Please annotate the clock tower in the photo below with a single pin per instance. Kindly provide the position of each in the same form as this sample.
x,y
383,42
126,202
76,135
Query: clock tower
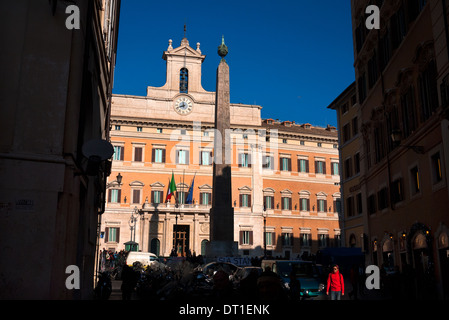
x,y
183,89
183,68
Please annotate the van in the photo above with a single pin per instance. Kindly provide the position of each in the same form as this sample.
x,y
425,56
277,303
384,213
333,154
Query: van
x,y
309,274
145,258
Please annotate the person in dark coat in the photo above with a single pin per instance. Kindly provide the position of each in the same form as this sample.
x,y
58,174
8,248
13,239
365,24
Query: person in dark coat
x,y
129,282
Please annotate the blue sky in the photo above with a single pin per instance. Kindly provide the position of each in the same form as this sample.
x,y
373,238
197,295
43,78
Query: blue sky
x,y
291,57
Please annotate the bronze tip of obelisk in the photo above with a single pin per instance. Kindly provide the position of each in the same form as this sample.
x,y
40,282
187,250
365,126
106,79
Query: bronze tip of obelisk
x,y
222,49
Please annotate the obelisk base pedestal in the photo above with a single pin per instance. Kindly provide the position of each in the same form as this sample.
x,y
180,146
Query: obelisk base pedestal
x,y
215,249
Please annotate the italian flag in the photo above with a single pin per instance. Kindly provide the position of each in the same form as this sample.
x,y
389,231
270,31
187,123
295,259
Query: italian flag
x,y
171,187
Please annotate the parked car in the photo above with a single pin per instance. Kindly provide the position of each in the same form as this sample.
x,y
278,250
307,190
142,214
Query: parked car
x,y
209,269
310,276
244,272
145,258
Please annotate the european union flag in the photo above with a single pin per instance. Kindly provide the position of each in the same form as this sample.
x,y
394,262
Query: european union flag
x,y
189,199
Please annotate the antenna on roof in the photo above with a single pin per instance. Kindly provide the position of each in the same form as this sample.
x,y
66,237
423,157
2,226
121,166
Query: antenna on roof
x,y
186,42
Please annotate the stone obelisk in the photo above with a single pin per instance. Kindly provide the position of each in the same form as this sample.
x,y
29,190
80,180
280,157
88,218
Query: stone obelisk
x,y
222,213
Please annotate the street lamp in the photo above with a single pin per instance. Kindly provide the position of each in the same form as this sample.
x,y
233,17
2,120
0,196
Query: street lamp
x,y
175,231
132,225
396,137
119,178
264,231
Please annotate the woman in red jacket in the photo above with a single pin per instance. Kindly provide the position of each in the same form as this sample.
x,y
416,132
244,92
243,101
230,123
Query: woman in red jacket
x,y
335,284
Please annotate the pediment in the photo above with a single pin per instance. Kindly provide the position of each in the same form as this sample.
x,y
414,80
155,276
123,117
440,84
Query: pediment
x,y
136,184
336,195
205,187
185,50
182,185
157,185
245,188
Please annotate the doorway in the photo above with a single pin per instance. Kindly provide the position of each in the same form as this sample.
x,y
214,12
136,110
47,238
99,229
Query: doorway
x,y
444,265
181,237
443,253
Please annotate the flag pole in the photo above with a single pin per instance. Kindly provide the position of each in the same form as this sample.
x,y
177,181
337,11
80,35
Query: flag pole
x,y
189,199
192,188
168,191
176,196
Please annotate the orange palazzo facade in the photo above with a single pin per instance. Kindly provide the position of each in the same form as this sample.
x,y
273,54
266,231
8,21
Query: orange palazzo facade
x,y
285,175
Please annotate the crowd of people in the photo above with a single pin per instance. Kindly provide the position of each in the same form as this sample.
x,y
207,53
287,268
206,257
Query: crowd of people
x,y
395,284
110,260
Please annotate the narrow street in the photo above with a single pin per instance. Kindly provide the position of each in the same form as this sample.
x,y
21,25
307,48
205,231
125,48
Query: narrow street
x,y
116,292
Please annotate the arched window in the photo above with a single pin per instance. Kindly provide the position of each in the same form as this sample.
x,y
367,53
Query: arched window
x,y
155,246
184,80
352,241
203,247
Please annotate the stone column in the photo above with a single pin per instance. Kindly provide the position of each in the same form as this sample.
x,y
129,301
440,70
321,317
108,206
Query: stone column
x,y
222,213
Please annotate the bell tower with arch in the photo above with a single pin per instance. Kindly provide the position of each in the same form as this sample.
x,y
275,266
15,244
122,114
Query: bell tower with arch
x,y
183,71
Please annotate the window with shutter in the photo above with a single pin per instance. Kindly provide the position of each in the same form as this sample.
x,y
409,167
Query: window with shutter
x,y
118,153
158,155
321,205
205,158
304,204
350,206
268,202
303,165
157,197
398,190
320,167
334,168
285,164
136,196
305,239
112,234
245,200
246,237
205,198
270,238
414,178
437,173
287,239
114,195
286,203
268,162
138,154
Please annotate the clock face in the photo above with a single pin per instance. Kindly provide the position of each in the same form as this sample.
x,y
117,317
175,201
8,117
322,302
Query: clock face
x,y
183,105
